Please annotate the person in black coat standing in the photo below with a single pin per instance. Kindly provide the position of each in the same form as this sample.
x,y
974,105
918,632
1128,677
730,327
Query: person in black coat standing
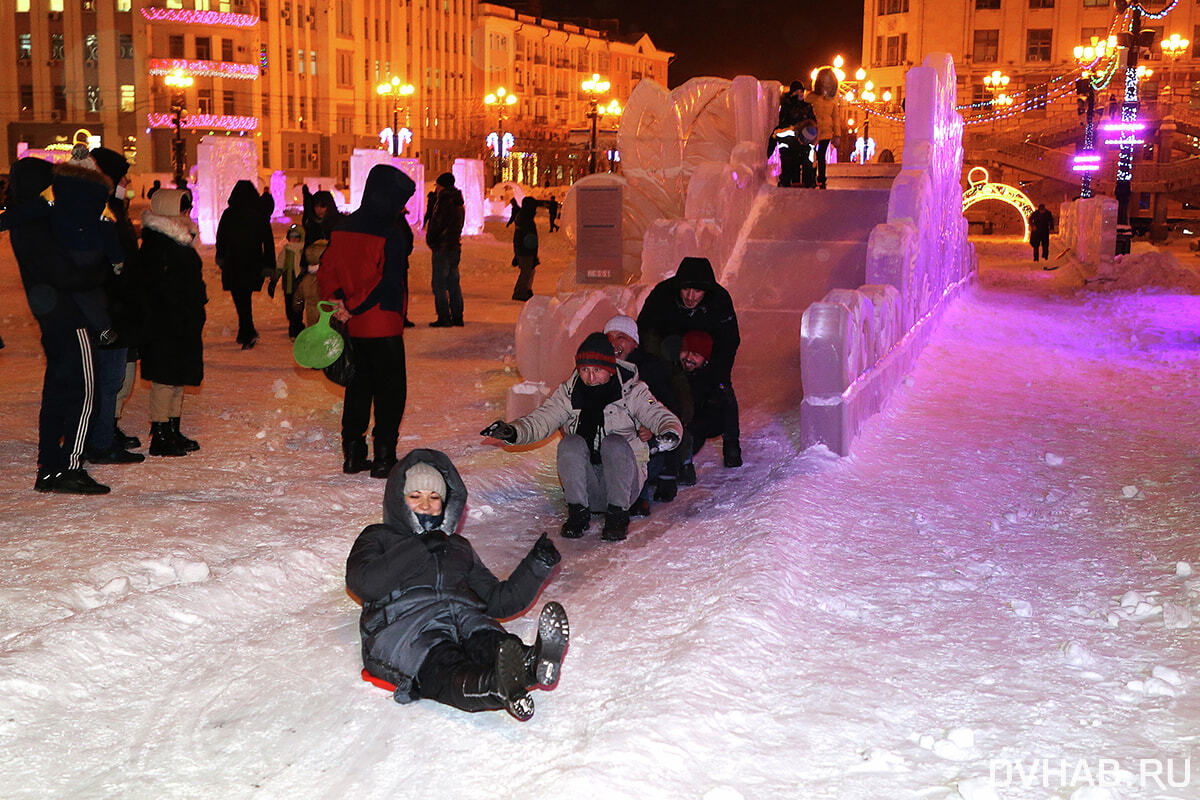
x,y
173,346
245,254
68,389
1041,222
429,605
525,248
693,300
443,234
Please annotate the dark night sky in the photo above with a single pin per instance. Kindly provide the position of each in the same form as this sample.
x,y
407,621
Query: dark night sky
x,y
764,38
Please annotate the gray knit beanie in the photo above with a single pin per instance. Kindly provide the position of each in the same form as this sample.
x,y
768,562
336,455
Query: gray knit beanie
x,y
424,477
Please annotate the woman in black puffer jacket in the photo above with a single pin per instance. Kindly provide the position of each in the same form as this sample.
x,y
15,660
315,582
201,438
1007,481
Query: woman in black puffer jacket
x,y
430,606
245,254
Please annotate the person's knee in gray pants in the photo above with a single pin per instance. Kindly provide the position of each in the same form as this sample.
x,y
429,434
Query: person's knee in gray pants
x,y
574,469
618,467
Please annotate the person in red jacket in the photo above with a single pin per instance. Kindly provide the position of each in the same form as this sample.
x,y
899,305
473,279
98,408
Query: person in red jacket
x,y
364,270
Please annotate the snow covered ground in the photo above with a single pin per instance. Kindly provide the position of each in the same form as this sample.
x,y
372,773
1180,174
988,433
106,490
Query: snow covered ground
x,y
998,581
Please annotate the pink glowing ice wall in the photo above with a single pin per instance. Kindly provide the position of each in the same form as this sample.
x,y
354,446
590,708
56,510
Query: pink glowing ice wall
x,y
856,344
361,161
221,161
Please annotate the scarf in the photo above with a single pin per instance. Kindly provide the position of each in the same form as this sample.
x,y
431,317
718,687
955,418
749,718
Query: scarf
x,y
591,400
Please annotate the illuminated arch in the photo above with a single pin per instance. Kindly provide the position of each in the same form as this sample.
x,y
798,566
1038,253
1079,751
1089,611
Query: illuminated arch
x,y
981,189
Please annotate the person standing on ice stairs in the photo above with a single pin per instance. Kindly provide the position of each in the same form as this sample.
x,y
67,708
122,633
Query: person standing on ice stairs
x,y
428,622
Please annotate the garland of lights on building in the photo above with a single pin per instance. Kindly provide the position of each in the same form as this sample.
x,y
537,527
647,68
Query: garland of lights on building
x,y
189,17
212,122
204,69
1100,74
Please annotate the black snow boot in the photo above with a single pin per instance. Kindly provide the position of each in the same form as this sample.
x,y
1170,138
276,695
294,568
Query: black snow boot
x,y
190,445
578,519
732,450
123,441
385,459
666,488
163,441
114,455
616,524
543,661
687,474
356,456
499,685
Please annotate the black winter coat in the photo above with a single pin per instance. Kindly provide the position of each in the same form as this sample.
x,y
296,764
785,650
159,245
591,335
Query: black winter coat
x,y
419,589
443,231
172,349
664,319
245,245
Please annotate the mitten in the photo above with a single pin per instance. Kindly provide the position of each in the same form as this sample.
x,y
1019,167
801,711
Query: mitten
x,y
664,442
500,430
544,552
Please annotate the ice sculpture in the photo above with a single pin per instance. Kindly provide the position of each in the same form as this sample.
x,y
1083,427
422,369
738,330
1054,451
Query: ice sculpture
x,y
856,344
468,178
279,195
221,161
361,161
1088,228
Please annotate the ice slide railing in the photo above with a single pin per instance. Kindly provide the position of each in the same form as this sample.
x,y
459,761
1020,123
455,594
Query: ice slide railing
x,y
857,344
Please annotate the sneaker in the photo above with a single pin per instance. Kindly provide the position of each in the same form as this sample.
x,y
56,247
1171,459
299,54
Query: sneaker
x,y
44,481
578,519
77,481
115,455
687,475
441,323
640,508
616,524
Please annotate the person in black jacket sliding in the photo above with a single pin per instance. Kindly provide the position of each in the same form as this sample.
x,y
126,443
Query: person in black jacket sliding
x,y
428,622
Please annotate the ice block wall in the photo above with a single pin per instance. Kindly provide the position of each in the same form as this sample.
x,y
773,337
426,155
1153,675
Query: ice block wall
x,y
468,178
857,344
1088,228
361,161
221,161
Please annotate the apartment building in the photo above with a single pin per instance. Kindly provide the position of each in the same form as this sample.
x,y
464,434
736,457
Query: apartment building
x,y
301,78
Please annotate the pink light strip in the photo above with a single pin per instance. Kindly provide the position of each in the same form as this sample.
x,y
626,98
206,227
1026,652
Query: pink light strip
x,y
1124,141
1123,126
213,122
204,69
1086,168
188,17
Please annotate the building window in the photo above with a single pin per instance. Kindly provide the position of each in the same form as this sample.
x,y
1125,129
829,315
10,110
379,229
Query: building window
x,y
227,102
203,5
125,46
1092,35
203,48
892,6
981,5
22,8
300,58
266,153
303,111
56,46
204,101
1093,3
26,97
312,62
1041,3
124,5
175,46
92,98
59,95
986,49
127,97
291,158
24,46
1037,44
227,49
174,3
55,5
289,63
291,108
91,47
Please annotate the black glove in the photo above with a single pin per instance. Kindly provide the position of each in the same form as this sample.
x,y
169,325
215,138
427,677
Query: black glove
x,y
664,442
271,286
500,430
544,552
434,541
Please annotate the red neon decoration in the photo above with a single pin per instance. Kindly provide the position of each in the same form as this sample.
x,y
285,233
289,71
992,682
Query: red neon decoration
x,y
204,69
188,17
212,122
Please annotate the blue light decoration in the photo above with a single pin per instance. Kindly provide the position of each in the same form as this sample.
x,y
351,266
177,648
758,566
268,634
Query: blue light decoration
x,y
500,147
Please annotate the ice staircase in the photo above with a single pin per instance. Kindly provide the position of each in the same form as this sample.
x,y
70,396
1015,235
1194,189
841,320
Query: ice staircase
x,y
797,245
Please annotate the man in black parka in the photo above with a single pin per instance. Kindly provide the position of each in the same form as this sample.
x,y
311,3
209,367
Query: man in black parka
x,y
693,300
430,606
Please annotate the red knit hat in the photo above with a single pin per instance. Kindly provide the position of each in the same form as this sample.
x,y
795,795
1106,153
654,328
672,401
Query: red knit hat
x,y
697,342
596,351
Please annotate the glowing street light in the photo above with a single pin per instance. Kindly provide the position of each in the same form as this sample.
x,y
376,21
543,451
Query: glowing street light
x,y
593,87
501,99
179,81
396,90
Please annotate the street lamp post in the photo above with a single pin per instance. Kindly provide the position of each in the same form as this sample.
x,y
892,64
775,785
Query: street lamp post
x,y
178,82
593,87
1173,47
396,90
1132,40
996,83
501,99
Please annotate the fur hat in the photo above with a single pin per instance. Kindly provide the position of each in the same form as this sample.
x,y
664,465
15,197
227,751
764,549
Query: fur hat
x,y
445,180
698,342
111,163
424,477
596,351
625,325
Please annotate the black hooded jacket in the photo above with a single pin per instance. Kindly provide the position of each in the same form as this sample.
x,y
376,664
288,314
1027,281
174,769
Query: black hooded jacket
x,y
664,319
245,245
419,588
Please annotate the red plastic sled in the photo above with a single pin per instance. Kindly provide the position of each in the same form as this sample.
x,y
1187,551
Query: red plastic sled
x,y
380,682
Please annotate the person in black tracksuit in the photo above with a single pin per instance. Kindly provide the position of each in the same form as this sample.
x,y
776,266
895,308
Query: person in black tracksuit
x,y
428,621
68,389
693,300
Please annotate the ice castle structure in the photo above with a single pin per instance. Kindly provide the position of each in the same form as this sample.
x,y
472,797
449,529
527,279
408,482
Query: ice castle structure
x,y
836,288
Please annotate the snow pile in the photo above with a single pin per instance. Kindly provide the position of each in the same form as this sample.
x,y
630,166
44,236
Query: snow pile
x,y
1146,266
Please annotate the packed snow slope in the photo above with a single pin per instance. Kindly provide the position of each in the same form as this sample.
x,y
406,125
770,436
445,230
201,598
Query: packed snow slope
x,y
1001,573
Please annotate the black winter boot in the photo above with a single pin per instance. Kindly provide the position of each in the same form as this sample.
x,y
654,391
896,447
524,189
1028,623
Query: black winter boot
x,y
123,441
385,459
616,524
666,488
510,679
543,661
163,441
732,450
189,445
579,517
356,456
